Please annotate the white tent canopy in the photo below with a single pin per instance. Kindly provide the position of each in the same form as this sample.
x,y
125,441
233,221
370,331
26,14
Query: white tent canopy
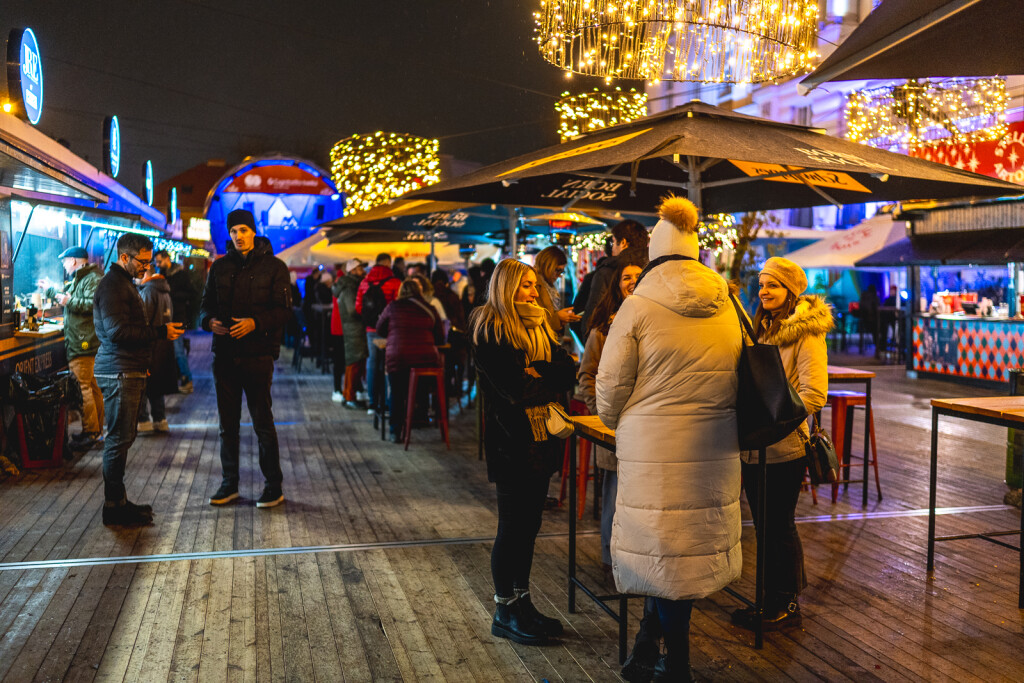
x,y
843,248
316,250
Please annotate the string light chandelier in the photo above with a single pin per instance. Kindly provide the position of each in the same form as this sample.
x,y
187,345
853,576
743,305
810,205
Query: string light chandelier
x,y
373,169
921,114
709,41
587,112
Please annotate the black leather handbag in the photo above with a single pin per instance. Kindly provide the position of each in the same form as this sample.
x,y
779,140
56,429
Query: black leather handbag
x,y
768,408
822,461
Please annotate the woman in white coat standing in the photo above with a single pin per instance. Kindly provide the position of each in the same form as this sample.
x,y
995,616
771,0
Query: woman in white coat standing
x,y
667,385
797,325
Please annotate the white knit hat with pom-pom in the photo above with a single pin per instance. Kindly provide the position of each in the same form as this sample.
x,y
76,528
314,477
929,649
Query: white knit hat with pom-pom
x,y
676,232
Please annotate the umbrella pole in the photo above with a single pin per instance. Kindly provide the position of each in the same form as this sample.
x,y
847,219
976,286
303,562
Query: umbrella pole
x,y
693,184
432,265
513,248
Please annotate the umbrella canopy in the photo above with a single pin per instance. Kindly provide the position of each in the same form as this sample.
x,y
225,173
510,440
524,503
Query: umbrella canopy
x,y
929,39
723,161
975,248
844,248
299,253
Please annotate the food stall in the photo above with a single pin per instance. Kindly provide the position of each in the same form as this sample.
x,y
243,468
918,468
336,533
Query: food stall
x,y
963,264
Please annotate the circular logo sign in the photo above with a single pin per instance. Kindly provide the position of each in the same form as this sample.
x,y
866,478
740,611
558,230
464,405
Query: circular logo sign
x,y
147,181
25,73
112,143
172,205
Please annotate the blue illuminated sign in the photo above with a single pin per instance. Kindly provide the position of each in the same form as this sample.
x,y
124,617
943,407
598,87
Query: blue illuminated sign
x,y
172,205
147,182
25,73
112,143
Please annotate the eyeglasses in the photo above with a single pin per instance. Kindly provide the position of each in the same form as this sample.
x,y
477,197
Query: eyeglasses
x,y
144,263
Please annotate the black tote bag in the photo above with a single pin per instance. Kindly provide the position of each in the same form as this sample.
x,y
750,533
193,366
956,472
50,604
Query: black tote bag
x,y
768,408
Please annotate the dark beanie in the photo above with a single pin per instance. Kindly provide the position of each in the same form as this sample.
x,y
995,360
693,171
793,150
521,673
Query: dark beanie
x,y
241,217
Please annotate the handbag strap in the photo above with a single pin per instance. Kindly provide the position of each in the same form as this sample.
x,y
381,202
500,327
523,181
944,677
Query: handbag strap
x,y
658,261
744,322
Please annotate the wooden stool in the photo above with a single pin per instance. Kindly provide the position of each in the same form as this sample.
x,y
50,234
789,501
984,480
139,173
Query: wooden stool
x,y
577,407
843,403
442,403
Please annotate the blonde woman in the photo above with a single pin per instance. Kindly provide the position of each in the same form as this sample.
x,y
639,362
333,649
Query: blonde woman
x,y
550,264
522,369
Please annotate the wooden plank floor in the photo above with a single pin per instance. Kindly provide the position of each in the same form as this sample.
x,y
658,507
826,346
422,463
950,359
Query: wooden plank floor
x,y
377,567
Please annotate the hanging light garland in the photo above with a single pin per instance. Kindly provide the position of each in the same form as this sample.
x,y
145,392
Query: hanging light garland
x,y
920,114
708,41
373,169
587,112
594,241
717,234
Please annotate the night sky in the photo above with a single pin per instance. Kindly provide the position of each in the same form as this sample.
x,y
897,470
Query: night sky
x,y
198,79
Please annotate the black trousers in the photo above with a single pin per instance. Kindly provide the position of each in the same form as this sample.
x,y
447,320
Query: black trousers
x,y
784,556
337,349
253,377
520,509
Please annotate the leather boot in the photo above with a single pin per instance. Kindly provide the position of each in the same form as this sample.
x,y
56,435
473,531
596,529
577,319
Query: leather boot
x,y
674,665
509,622
639,665
547,625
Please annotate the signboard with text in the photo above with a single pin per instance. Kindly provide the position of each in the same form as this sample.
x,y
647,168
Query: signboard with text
x,y
25,74
1003,158
279,179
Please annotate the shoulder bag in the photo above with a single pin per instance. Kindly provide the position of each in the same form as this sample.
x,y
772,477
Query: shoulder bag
x,y
767,406
822,462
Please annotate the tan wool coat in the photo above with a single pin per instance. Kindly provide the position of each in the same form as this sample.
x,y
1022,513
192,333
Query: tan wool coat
x,y
587,379
667,384
801,342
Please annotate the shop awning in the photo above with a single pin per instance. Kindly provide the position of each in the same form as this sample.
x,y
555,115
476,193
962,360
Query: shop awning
x,y
21,171
844,248
975,248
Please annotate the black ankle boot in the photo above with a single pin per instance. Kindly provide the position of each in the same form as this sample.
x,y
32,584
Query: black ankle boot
x,y
780,612
547,625
667,670
510,622
639,665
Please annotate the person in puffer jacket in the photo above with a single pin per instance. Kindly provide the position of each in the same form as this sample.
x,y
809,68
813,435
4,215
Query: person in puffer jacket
x,y
797,325
667,384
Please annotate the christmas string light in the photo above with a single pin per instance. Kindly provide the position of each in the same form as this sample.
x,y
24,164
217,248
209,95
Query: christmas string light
x,y
716,233
373,169
709,41
587,112
920,114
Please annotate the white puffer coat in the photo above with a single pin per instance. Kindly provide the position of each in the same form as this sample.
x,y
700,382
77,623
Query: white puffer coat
x,y
667,385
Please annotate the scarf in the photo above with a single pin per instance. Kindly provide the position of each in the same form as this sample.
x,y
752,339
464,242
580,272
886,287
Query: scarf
x,y
537,340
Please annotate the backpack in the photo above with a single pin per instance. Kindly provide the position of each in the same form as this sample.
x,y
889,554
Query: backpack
x,y
374,303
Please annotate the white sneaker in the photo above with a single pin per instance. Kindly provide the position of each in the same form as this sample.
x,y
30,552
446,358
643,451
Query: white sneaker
x,y
145,427
337,397
161,426
370,411
362,396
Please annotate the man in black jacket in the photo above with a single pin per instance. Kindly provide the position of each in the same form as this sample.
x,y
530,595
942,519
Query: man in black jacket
x,y
182,297
626,235
122,363
246,304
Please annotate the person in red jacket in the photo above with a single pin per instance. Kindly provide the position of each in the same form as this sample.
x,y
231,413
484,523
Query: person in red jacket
x,y
413,330
382,280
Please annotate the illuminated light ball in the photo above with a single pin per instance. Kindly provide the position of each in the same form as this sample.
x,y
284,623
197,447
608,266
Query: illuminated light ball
x,y
586,112
372,169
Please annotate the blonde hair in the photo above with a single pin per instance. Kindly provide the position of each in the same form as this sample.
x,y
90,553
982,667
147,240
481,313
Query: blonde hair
x,y
497,319
425,287
547,261
409,288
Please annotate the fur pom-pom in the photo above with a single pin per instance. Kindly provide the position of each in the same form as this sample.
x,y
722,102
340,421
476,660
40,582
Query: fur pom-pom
x,y
679,212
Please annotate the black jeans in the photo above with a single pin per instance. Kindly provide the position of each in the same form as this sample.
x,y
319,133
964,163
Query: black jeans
x,y
337,349
121,399
675,625
783,554
253,376
520,508
398,400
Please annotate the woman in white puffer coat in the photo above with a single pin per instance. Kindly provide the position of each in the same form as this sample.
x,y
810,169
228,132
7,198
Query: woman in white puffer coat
x,y
667,384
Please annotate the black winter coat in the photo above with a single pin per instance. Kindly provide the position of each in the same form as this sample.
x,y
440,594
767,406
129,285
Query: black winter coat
x,y
126,338
182,294
256,286
512,454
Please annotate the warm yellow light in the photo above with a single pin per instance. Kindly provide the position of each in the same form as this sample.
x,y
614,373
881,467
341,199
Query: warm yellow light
x,y
8,107
373,169
586,112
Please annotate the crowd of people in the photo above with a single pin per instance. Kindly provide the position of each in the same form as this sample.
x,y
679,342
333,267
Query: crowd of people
x,y
661,342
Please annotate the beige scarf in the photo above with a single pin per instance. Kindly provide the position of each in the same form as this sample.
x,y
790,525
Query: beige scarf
x,y
537,339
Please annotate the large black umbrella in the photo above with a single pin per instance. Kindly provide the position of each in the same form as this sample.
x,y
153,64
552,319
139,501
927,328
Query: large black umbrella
x,y
723,161
929,39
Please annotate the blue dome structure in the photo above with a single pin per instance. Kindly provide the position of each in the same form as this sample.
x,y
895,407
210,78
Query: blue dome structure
x,y
289,197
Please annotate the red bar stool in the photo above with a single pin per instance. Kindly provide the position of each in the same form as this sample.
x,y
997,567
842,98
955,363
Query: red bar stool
x,y
577,407
843,403
442,403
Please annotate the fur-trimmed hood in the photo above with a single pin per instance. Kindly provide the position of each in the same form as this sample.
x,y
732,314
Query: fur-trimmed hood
x,y
812,317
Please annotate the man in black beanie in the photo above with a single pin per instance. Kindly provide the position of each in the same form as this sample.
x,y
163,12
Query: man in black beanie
x,y
246,304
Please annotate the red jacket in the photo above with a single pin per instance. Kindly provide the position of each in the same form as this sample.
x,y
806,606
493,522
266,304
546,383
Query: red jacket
x,y
390,287
413,329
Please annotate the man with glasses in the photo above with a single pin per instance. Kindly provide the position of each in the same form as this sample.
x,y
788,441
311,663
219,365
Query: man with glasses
x,y
247,302
122,364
